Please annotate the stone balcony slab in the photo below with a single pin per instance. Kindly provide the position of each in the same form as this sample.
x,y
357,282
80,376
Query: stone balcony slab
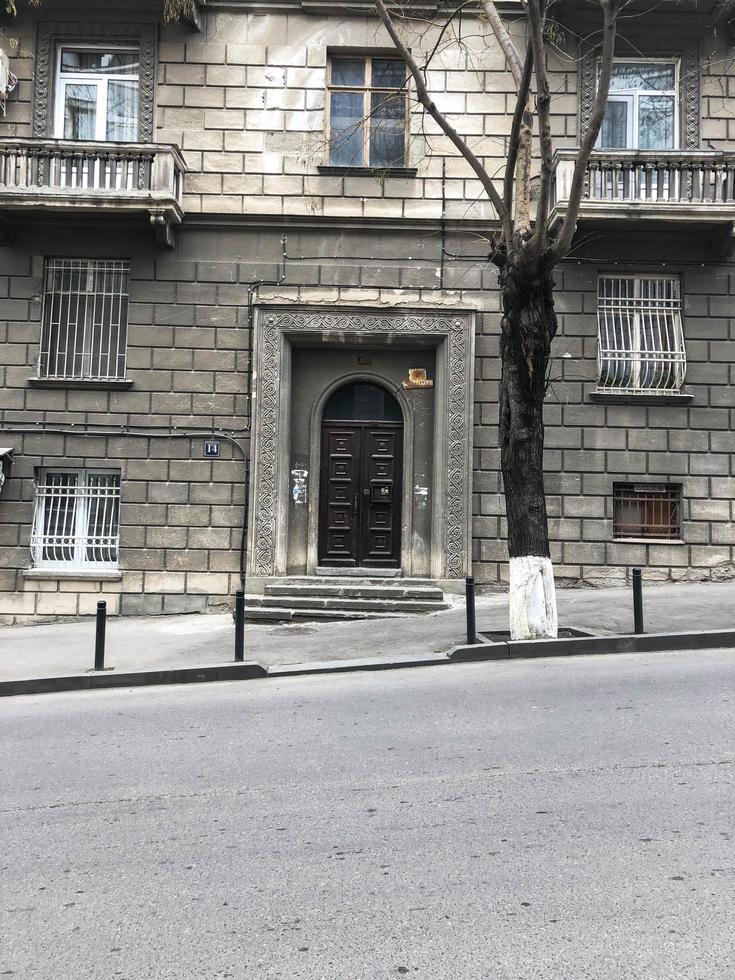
x,y
93,178
652,186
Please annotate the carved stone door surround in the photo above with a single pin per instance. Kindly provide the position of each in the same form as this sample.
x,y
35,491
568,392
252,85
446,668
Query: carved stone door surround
x,y
452,335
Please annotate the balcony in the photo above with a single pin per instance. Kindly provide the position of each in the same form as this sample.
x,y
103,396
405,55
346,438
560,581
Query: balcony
x,y
67,175
651,185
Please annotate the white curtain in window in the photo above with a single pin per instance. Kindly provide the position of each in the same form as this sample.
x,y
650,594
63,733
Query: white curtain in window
x,y
122,111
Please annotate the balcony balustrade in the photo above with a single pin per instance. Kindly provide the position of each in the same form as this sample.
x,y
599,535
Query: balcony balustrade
x,y
94,177
658,185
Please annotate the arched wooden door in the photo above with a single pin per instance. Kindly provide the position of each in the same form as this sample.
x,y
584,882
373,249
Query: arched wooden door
x,y
360,479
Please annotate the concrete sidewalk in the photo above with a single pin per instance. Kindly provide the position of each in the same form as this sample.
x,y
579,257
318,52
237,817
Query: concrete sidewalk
x,y
192,641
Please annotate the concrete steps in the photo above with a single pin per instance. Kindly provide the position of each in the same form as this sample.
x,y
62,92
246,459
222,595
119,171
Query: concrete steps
x,y
337,598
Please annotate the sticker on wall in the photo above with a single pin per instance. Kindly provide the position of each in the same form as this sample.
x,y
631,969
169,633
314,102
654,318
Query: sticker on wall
x,y
421,495
298,486
417,379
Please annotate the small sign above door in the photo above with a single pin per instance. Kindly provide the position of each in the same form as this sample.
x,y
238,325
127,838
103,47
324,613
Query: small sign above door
x,y
417,379
211,448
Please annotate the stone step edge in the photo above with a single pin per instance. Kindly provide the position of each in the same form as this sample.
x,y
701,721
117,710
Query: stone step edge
x,y
337,603
276,614
355,592
353,581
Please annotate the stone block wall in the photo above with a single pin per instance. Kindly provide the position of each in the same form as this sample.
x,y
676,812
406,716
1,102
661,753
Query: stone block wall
x,y
245,100
181,517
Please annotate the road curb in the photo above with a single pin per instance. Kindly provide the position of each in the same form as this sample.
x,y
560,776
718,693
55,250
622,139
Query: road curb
x,y
591,645
251,670
133,678
365,663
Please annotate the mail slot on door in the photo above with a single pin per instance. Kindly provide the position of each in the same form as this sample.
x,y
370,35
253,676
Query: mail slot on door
x,y
382,493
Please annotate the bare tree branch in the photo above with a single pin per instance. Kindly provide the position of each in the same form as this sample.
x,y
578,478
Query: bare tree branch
x,y
521,108
426,100
563,240
445,28
504,40
543,108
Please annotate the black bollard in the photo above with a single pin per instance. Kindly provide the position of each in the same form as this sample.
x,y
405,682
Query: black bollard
x,y
99,640
637,601
239,625
470,609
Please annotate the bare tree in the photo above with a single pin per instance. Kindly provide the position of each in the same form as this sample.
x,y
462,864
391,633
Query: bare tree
x,y
525,251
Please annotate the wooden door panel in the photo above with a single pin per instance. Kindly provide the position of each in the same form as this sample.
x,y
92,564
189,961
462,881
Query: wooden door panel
x,y
360,505
381,497
338,528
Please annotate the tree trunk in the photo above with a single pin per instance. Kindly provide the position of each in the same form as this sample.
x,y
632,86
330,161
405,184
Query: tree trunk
x,y
527,329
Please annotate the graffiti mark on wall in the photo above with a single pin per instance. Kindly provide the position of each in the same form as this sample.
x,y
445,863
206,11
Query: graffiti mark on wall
x,y
298,486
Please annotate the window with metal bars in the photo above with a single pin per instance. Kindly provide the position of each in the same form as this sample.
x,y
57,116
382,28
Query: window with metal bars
x,y
643,510
641,338
76,523
85,320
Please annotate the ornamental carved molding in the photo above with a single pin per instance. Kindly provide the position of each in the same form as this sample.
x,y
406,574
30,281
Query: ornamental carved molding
x,y
50,33
275,325
689,87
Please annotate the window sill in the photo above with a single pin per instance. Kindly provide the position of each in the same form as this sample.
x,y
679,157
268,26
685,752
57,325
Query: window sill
x,y
329,170
101,575
112,385
635,398
675,541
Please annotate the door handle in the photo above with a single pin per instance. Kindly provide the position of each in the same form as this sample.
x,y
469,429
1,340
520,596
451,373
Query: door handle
x,y
355,503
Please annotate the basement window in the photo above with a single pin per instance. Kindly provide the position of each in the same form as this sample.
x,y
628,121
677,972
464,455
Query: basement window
x,y
642,510
640,333
76,522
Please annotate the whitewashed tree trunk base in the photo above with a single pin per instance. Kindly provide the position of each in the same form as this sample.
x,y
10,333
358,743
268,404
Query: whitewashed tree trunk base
x,y
532,599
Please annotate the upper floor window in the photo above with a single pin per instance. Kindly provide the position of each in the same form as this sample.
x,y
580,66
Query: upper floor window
x,y
76,521
367,111
84,320
97,94
641,111
641,339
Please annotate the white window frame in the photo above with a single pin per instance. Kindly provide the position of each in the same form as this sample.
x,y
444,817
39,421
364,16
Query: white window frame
x,y
88,500
668,359
91,78
632,98
367,91
113,335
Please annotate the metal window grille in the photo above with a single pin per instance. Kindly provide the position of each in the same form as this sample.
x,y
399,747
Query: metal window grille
x,y
76,523
646,511
641,339
85,320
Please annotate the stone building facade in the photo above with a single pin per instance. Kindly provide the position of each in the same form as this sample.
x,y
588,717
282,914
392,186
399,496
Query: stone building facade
x,y
249,289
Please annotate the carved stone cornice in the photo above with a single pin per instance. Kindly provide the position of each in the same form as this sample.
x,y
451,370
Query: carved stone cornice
x,y
52,32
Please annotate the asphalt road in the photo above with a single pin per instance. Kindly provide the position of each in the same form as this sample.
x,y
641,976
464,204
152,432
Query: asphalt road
x,y
560,819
